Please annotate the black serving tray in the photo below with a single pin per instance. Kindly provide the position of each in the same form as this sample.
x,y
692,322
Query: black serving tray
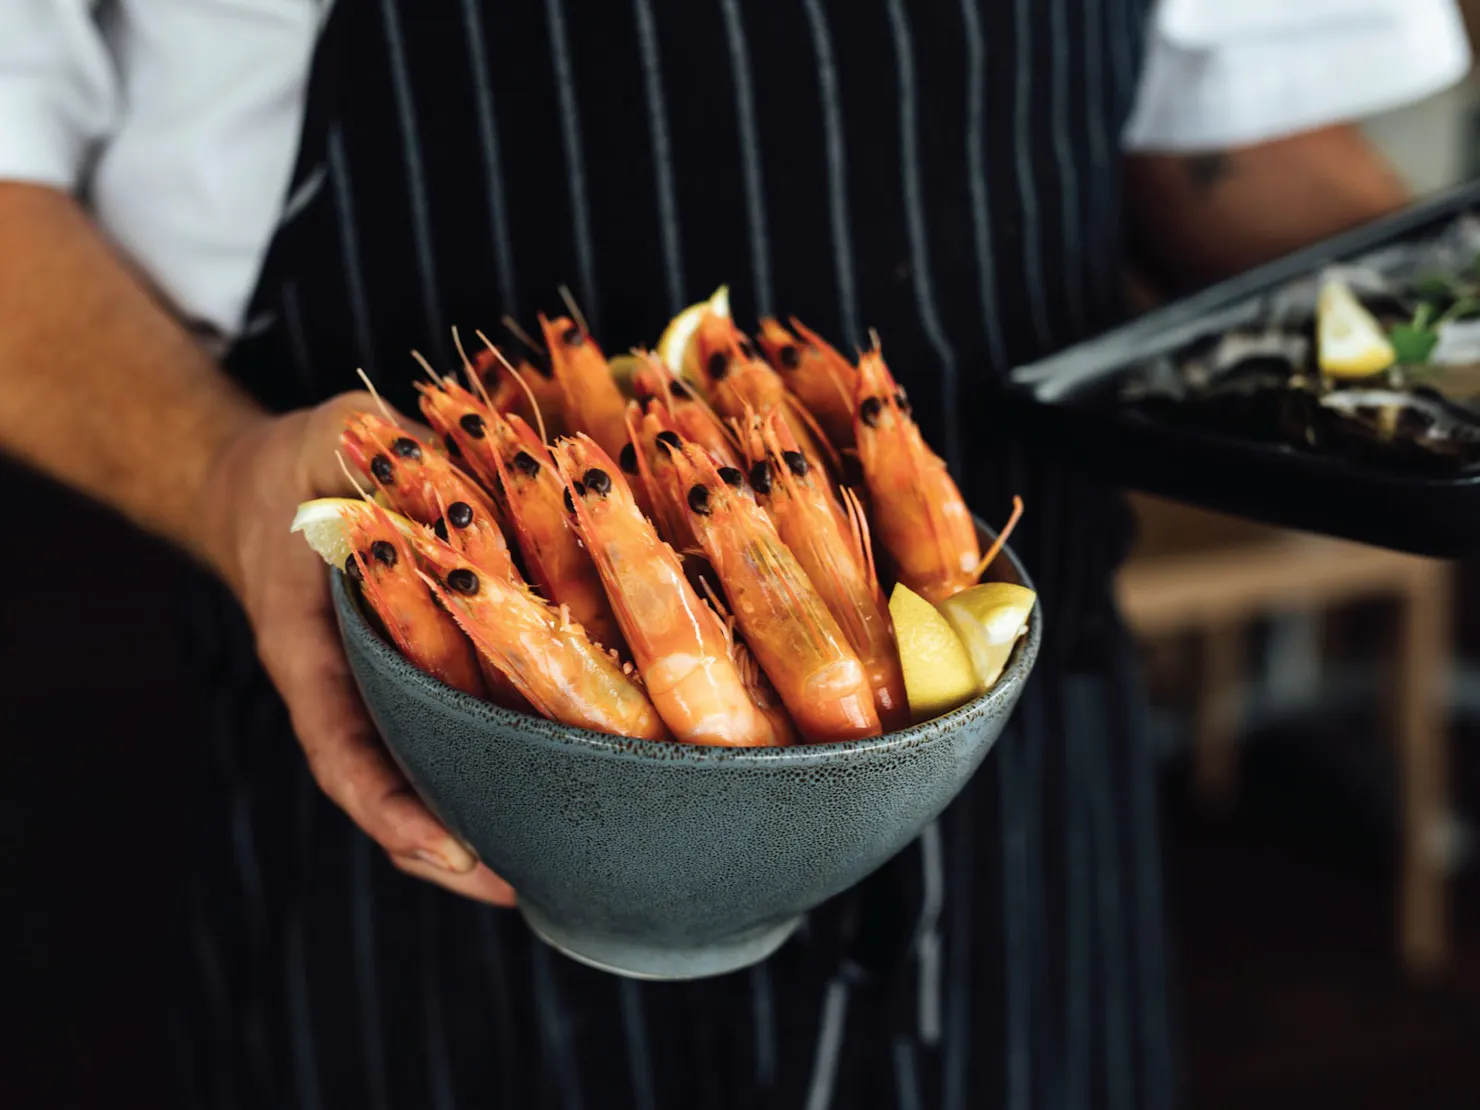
x,y
1059,400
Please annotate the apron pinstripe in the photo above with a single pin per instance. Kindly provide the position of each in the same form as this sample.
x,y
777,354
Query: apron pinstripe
x,y
942,170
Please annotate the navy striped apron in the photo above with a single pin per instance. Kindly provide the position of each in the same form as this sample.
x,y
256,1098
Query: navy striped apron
x,y
945,171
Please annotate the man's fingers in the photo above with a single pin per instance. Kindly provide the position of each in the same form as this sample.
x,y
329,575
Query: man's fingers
x,y
480,883
346,757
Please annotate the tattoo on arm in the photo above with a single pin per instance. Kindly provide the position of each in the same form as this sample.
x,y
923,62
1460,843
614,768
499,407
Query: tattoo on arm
x,y
1207,170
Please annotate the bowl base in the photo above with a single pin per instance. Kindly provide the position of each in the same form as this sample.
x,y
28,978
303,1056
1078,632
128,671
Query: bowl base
x,y
636,960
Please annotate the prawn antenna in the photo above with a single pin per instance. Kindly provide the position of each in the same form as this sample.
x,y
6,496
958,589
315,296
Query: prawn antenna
x,y
462,354
575,309
385,409
473,377
427,366
539,417
520,334
344,466
1001,540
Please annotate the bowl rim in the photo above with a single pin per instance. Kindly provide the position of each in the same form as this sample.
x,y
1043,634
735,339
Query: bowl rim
x,y
1000,697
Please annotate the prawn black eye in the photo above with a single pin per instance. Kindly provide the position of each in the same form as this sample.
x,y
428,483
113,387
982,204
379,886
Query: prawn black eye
x,y
789,357
718,365
868,412
598,482
439,526
628,460
573,336
760,476
526,464
385,551
352,568
463,581
460,514
699,500
472,423
796,462
670,439
451,444
731,476
381,467
570,505
407,448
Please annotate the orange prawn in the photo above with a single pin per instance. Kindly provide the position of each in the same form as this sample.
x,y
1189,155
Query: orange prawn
x,y
546,657
592,402
384,566
786,624
685,652
506,454
838,562
816,374
419,481
534,395
919,513
736,377
690,416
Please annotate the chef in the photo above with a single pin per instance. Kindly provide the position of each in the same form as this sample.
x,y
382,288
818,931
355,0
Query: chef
x,y
213,212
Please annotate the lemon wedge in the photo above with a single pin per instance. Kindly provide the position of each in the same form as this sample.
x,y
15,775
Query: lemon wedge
x,y
323,523
990,619
676,345
938,675
1350,342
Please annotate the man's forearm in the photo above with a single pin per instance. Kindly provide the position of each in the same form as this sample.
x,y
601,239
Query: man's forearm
x,y
100,387
1195,219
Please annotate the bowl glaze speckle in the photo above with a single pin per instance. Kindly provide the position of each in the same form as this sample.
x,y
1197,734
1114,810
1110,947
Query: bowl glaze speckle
x,y
667,860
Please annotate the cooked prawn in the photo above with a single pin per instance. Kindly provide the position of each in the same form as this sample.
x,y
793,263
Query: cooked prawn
x,y
534,395
919,514
786,624
735,378
506,454
838,562
816,374
419,482
546,656
678,642
690,417
384,566
592,402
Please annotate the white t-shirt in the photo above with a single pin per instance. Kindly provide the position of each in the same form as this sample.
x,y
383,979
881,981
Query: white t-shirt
x,y
178,120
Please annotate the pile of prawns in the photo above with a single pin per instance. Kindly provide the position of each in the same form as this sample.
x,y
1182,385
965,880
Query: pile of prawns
x,y
686,563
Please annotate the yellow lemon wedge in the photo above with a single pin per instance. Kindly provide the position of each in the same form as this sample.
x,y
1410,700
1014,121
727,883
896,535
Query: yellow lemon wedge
x,y
1350,343
990,619
323,524
938,675
676,345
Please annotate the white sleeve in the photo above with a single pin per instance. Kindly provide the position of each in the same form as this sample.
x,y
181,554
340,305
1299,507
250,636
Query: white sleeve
x,y
58,90
1229,73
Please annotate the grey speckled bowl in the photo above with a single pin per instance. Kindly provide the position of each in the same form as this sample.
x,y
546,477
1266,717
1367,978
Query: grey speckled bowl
x,y
666,860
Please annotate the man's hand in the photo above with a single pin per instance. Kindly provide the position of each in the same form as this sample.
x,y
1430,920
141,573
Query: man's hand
x,y
102,389
248,501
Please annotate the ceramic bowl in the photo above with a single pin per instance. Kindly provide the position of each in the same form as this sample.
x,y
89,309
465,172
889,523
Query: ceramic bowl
x,y
668,860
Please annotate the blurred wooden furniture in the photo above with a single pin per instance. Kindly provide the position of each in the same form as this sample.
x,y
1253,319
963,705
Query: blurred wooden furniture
x,y
1211,576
